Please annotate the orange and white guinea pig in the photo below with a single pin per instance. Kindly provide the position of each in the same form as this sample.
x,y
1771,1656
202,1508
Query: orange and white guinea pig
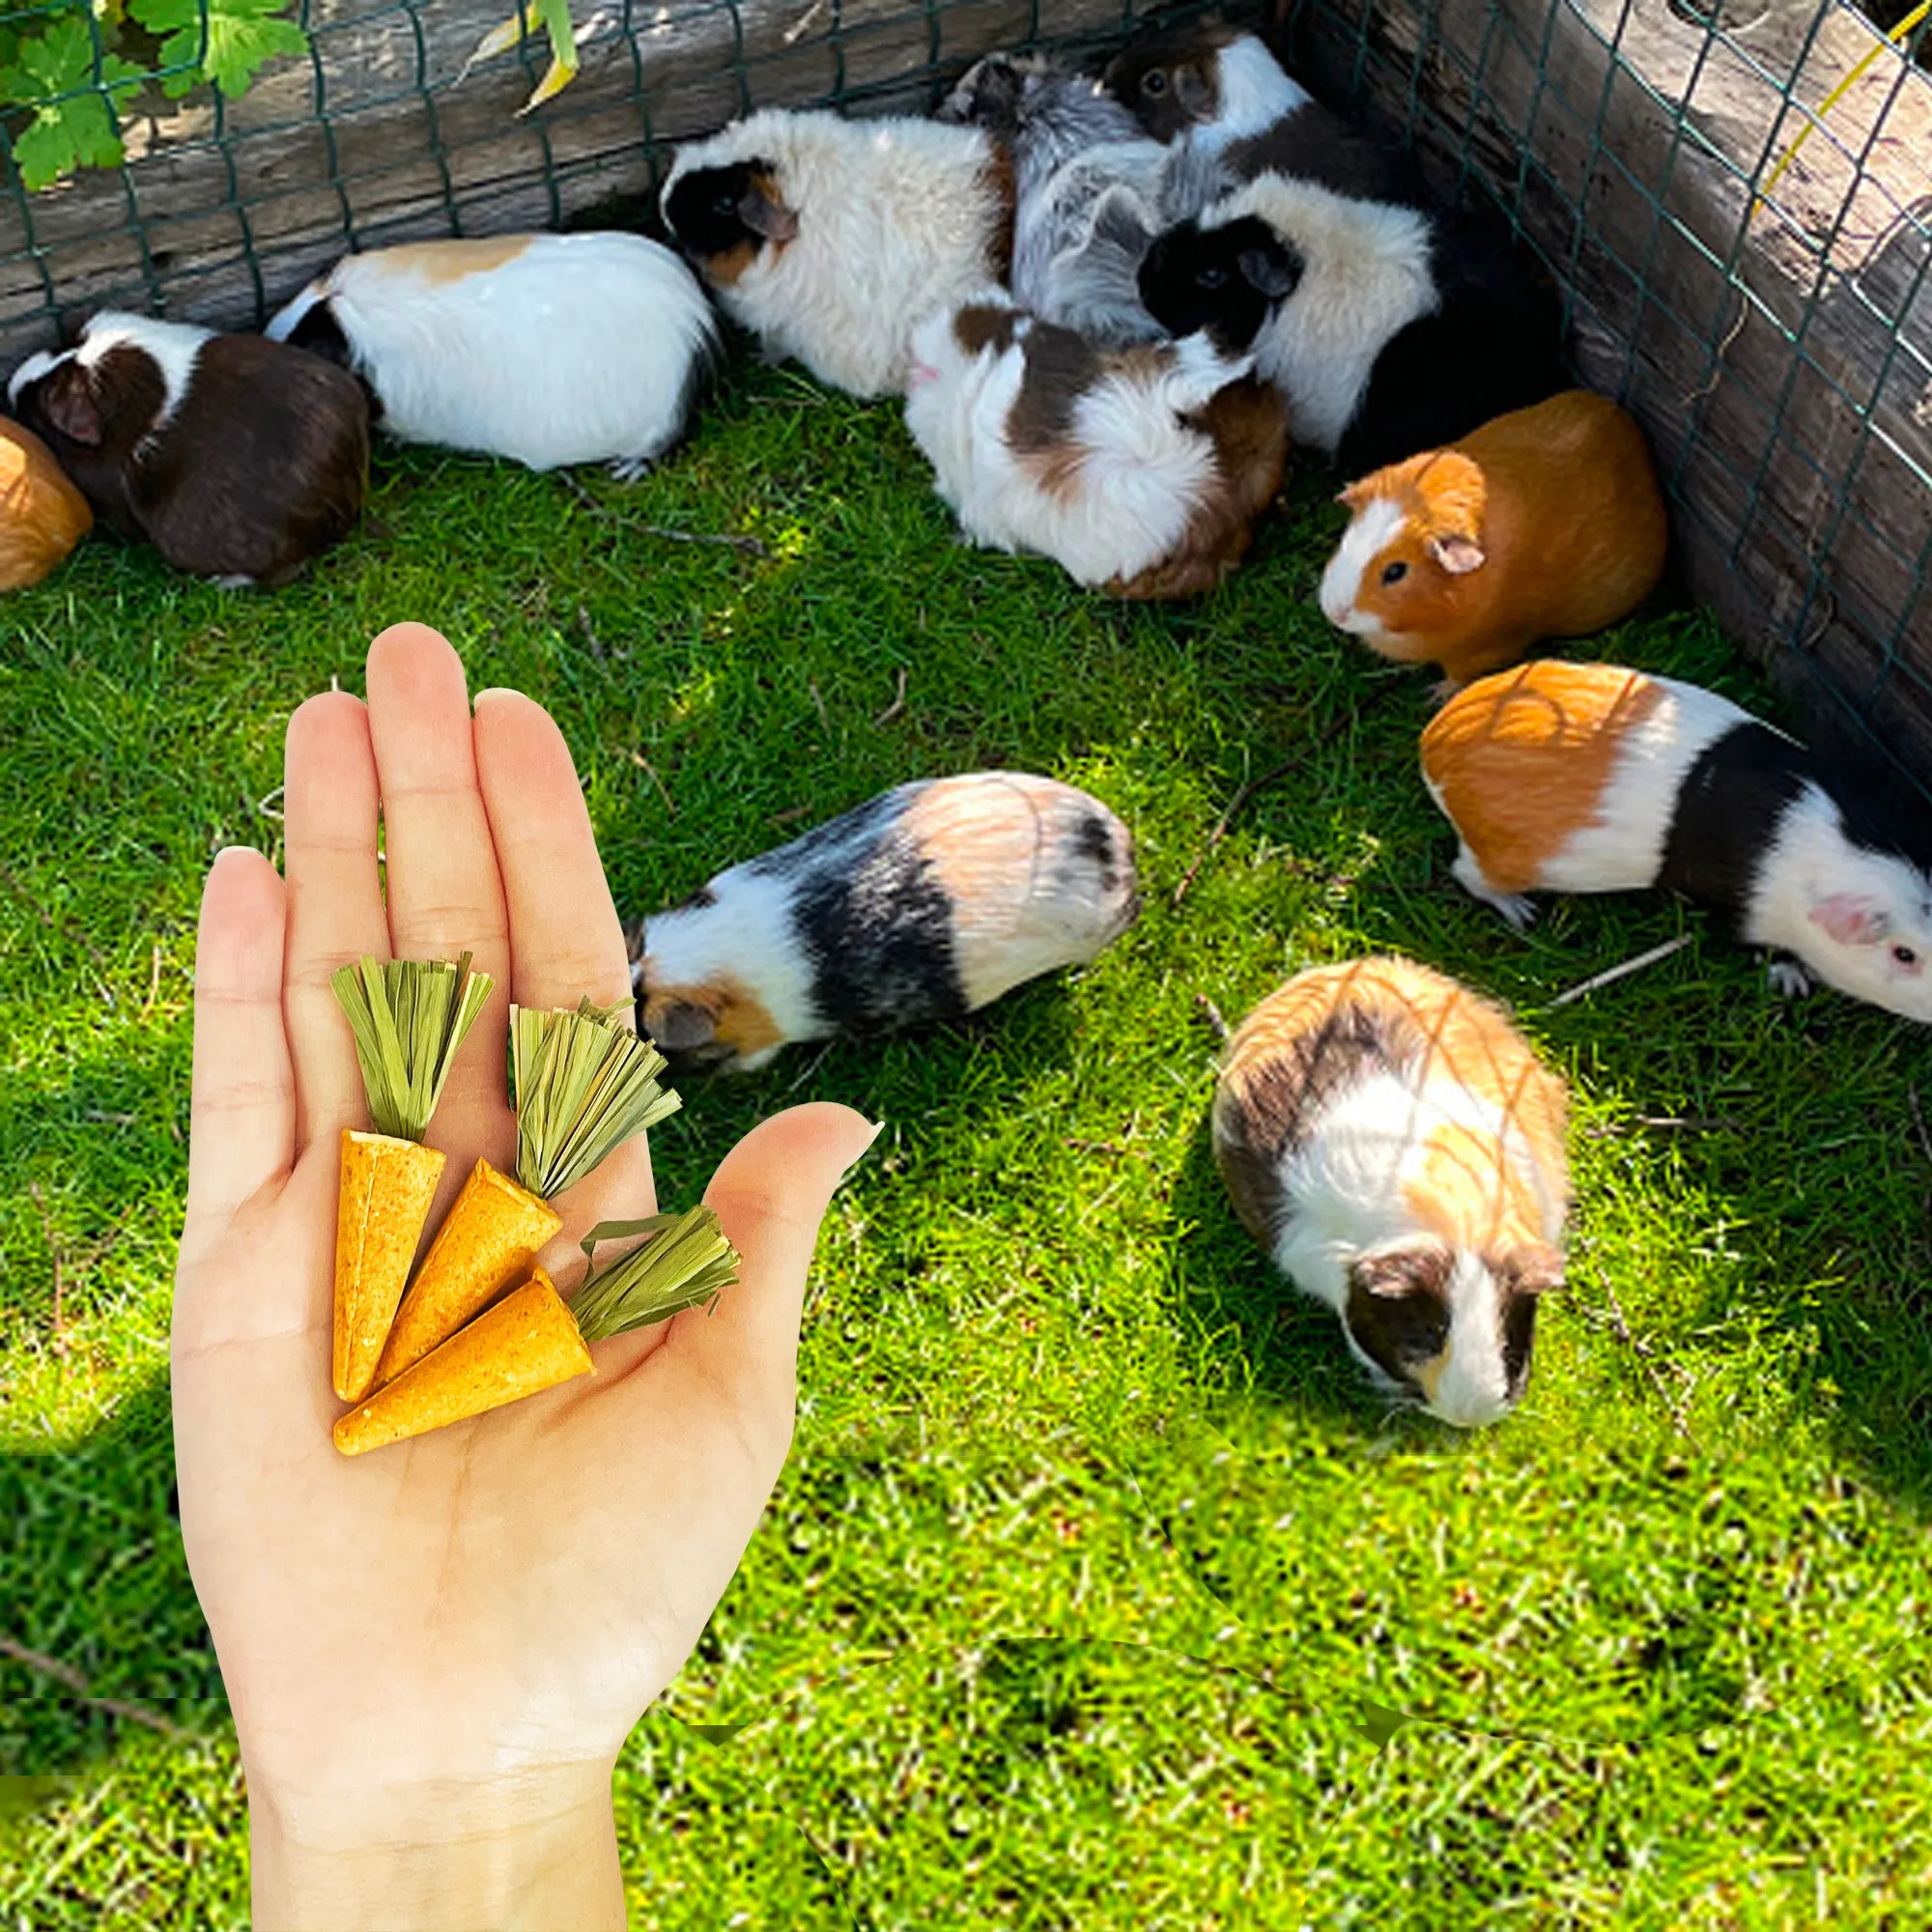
x,y
1545,522
43,516
923,904
1593,778
1397,1149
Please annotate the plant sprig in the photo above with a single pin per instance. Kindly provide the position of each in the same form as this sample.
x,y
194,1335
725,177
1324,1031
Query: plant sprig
x,y
684,1265
409,1018
582,1085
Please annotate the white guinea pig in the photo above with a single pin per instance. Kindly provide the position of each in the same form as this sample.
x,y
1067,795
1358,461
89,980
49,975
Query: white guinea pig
x,y
830,239
238,459
923,904
1593,778
1397,1149
1141,470
544,349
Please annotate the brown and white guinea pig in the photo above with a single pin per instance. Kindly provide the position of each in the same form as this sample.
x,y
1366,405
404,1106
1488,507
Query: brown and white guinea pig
x,y
1397,1148
1216,89
544,349
1546,523
830,239
1141,470
924,903
43,516
239,459
1593,778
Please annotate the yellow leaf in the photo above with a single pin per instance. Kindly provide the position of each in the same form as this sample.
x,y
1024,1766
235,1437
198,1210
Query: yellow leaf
x,y
499,39
554,82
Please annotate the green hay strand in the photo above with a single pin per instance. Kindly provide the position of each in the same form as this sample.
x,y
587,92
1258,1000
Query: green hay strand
x,y
409,1018
582,1085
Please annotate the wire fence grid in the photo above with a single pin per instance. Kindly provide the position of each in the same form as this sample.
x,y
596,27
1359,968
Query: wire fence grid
x,y
1746,267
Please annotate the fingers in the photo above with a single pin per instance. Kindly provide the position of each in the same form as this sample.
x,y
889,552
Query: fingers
x,y
770,1194
564,934
445,896
334,903
243,1114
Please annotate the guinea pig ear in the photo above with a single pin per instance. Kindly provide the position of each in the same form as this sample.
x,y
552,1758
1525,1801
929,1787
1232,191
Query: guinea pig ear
x,y
1415,1267
1534,1268
1852,918
66,399
761,211
683,1027
1193,90
1457,555
1272,272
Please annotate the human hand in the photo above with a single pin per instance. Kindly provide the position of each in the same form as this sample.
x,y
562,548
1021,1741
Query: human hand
x,y
435,1652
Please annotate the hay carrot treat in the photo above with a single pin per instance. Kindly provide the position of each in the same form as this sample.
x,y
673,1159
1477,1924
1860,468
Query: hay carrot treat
x,y
582,1085
409,1018
534,1339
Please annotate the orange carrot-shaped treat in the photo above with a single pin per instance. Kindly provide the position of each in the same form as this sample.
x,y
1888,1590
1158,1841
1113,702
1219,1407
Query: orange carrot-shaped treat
x,y
409,1018
533,1339
582,1085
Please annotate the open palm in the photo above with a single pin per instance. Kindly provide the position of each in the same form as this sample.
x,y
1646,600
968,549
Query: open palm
x,y
499,1600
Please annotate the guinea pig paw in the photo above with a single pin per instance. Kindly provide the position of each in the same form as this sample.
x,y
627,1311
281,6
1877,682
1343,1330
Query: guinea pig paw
x,y
631,468
1789,979
236,582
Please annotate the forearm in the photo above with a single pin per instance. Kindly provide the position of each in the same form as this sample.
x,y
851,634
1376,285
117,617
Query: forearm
x,y
518,1856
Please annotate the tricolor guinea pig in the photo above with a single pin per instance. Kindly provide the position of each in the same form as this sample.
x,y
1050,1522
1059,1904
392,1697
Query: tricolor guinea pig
x,y
925,903
1546,522
1593,778
544,349
1397,1148
830,239
1216,89
1140,470
239,459
43,516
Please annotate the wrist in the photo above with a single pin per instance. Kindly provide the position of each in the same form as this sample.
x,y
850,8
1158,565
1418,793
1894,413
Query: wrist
x,y
528,1849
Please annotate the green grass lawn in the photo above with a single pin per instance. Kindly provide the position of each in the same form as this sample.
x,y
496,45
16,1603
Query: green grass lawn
x,y
1098,1588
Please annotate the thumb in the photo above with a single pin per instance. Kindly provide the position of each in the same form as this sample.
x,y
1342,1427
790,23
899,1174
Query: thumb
x,y
770,1194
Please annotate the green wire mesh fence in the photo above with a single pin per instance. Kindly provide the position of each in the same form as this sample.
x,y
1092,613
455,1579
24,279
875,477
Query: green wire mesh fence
x,y
1746,267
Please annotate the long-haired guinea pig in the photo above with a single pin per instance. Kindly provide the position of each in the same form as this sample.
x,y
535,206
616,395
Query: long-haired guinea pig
x,y
1218,89
1089,191
546,349
238,459
1546,522
1397,1148
925,903
1593,778
1141,470
43,516
1403,329
830,239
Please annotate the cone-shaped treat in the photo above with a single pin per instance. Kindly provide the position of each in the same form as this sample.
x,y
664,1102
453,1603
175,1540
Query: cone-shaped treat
x,y
582,1085
532,1340
409,1018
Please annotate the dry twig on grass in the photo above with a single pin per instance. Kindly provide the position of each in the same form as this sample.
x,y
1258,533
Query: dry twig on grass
x,y
66,1674
750,546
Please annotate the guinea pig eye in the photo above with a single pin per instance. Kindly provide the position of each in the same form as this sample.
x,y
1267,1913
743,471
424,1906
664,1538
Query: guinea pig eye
x,y
1153,82
1905,956
725,204
1213,278
1394,573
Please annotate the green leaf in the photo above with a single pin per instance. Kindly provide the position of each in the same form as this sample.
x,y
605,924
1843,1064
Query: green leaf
x,y
236,39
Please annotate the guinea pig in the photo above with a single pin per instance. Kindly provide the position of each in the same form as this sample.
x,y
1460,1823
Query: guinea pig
x,y
239,459
1593,778
1137,470
43,516
1546,522
1396,1147
1090,193
830,239
1403,328
925,903
1218,89
546,349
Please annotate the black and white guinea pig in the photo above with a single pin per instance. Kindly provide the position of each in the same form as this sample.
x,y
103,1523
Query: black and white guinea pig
x,y
1405,331
544,349
239,459
1089,191
1139,469
1217,90
1589,777
829,238
925,903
